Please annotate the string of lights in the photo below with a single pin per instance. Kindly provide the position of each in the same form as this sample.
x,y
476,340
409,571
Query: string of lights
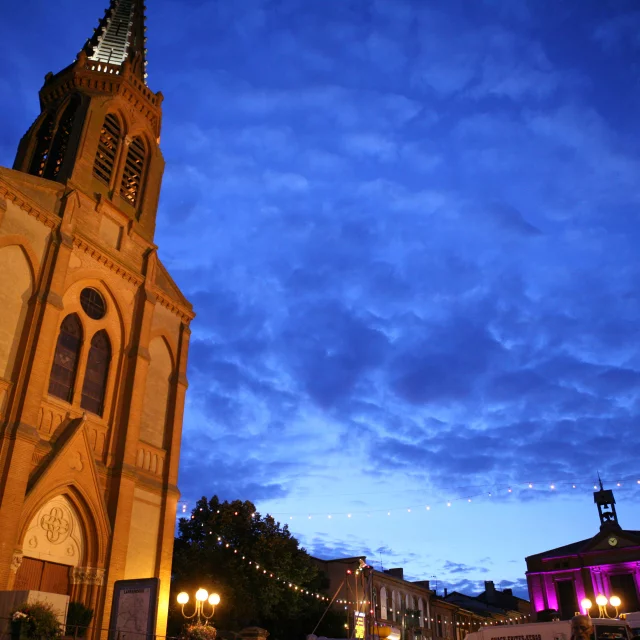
x,y
267,573
488,492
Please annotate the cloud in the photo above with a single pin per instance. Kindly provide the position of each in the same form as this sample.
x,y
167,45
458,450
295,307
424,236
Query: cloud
x,y
457,567
410,235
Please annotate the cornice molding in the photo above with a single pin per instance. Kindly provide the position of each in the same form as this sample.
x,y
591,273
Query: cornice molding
x,y
29,206
106,259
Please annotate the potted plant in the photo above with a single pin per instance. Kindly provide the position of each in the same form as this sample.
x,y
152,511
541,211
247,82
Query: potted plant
x,y
78,619
35,621
199,632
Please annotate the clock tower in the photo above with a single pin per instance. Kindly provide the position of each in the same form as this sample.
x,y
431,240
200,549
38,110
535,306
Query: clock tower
x,y
606,504
94,335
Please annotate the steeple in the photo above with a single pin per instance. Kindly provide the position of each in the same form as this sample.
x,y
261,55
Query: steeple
x,y
120,36
99,127
606,508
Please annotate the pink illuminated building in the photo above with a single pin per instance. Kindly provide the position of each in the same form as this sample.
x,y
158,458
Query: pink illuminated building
x,y
607,564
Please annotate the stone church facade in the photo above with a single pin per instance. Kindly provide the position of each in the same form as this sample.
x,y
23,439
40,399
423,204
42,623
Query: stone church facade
x,y
94,335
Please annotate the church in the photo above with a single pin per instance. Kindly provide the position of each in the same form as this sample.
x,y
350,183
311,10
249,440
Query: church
x,y
563,580
94,335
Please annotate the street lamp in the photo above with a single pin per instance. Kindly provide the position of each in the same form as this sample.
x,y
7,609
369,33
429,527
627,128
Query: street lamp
x,y
202,597
602,603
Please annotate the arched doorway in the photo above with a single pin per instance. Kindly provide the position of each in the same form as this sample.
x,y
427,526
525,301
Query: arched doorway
x,y
53,545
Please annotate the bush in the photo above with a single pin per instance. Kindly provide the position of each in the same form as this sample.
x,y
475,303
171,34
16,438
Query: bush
x,y
37,620
199,632
78,619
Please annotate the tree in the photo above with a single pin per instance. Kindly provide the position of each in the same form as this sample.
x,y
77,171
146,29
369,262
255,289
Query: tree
x,y
229,548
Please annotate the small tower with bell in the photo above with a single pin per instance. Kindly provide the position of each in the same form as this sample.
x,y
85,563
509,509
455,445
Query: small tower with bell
x,y
606,504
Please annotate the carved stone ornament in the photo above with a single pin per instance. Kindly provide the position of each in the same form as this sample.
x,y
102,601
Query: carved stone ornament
x,y
76,463
16,561
87,575
56,525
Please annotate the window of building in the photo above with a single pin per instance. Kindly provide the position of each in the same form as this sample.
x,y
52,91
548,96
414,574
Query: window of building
x,y
95,377
43,144
133,170
439,625
93,303
623,585
65,360
107,148
61,139
567,599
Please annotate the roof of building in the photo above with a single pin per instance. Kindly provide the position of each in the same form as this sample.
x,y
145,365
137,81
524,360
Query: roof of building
x,y
120,36
583,546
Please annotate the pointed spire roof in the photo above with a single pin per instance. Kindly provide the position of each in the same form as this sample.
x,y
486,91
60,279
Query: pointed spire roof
x,y
120,37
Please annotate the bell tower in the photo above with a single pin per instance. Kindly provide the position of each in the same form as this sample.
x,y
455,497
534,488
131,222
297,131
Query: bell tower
x,y
606,504
94,336
99,125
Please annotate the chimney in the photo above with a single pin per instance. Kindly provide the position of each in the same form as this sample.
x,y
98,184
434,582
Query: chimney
x,y
445,592
508,592
490,590
396,573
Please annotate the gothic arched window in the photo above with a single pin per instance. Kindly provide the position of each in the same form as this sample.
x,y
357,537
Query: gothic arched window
x,y
65,361
107,147
133,170
43,144
95,377
61,139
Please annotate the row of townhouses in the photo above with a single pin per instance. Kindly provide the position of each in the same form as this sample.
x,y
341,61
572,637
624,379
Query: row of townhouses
x,y
412,610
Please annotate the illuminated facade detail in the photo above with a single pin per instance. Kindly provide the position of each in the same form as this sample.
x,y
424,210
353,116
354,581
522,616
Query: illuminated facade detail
x,y
608,564
94,336
120,36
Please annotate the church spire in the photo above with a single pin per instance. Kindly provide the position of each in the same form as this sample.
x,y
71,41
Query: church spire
x,y
120,37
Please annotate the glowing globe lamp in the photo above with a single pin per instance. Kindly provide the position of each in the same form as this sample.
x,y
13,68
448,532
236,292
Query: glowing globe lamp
x,y
214,599
615,601
183,598
601,600
585,604
202,595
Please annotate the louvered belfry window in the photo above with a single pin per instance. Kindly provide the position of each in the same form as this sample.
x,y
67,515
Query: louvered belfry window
x,y
95,377
43,144
133,170
61,139
107,147
65,361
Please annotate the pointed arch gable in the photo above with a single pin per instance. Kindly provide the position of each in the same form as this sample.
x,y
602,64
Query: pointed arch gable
x,y
70,471
17,284
157,393
25,245
118,330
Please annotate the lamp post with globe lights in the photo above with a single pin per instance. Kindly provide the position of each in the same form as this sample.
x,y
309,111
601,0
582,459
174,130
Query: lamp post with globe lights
x,y
202,598
602,602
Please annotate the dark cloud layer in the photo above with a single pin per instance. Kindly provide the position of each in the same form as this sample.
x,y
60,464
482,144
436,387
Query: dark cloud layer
x,y
410,234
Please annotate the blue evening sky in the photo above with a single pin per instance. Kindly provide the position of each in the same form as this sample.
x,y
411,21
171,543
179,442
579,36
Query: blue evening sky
x,y
410,233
